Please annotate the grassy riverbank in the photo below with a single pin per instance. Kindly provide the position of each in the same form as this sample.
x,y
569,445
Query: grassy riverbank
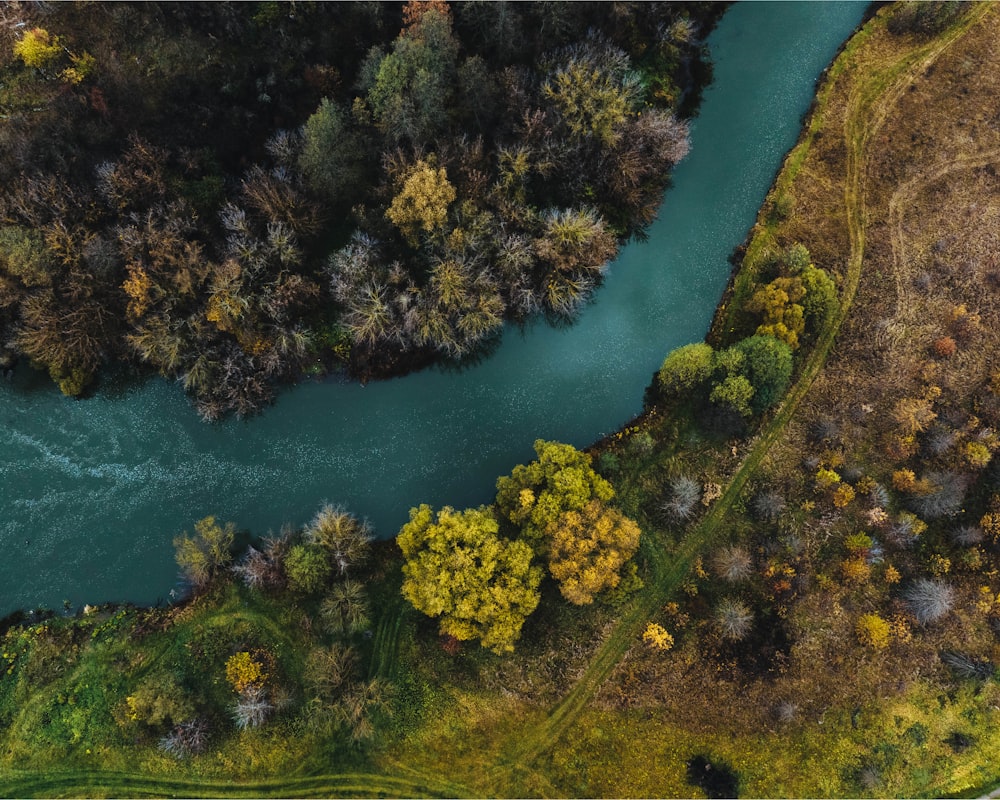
x,y
892,189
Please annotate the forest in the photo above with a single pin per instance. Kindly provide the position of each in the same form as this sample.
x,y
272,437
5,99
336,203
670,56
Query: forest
x,y
240,195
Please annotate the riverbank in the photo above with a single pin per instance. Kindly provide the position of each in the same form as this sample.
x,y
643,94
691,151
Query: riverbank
x,y
586,707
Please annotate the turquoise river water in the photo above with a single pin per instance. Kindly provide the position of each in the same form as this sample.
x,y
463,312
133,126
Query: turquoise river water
x,y
92,492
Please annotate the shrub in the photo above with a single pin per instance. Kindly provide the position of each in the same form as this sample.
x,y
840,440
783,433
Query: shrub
x,y
929,600
734,619
685,493
306,568
873,631
732,563
244,671
945,347
656,636
768,505
188,738
686,368
252,708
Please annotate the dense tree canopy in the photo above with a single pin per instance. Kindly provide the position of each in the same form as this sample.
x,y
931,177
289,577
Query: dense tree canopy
x,y
362,185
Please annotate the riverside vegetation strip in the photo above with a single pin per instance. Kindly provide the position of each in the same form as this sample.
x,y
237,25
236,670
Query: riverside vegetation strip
x,y
616,698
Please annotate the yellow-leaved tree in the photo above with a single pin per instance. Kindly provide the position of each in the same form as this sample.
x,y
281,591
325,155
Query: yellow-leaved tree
x,y
422,204
588,548
460,570
37,48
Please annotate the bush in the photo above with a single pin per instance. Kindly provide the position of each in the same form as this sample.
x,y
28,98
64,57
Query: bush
x,y
732,563
929,600
685,493
734,619
873,631
306,568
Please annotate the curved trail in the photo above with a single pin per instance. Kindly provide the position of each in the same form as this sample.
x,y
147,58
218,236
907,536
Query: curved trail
x,y
869,106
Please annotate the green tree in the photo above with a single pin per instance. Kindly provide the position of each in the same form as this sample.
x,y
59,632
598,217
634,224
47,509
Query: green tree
x,y
734,391
203,555
687,367
410,90
458,569
307,568
588,548
561,479
820,300
767,365
332,154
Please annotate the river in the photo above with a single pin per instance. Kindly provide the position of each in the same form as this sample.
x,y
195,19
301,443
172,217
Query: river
x,y
93,491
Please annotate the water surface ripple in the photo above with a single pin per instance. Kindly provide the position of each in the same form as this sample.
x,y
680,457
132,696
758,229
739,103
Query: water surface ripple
x,y
92,492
